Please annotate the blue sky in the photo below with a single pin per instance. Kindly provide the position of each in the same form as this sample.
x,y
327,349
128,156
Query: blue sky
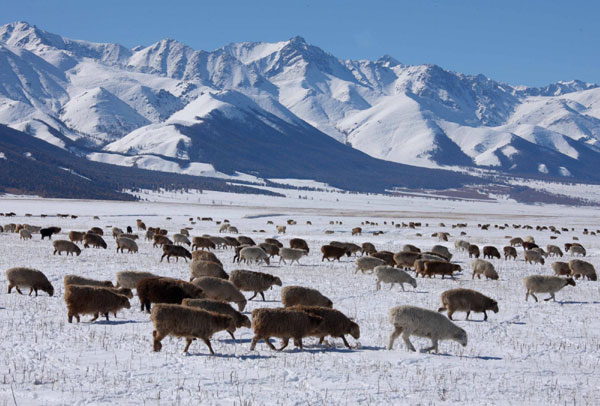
x,y
519,42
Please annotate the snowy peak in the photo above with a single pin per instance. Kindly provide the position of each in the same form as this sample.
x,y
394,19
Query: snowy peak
x,y
167,57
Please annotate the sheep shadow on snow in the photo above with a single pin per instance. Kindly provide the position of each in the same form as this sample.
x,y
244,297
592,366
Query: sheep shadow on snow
x,y
232,356
568,302
481,357
113,322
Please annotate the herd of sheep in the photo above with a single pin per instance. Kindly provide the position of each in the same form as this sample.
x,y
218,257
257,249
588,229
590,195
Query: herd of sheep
x,y
203,305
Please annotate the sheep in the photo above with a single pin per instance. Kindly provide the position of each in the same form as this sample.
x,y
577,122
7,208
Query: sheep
x,y
391,275
281,229
299,243
335,323
443,268
299,295
406,259
94,240
185,232
254,254
116,231
356,231
49,231
129,235
291,254
410,248
149,235
94,300
140,224
233,230
187,322
367,248
561,268
80,280
582,268
554,250
534,257
180,239
529,239
467,300
443,251
250,281
284,324
351,248
129,230
529,245
218,241
246,240
330,251
386,256
412,320
368,263
176,251
545,284
510,252
129,279
25,235
473,251
65,246
490,252
28,278
161,240
124,243
577,250
200,268
270,249
96,230
202,242
220,289
76,236
274,242
483,267
461,245
231,242
165,290
216,306
205,256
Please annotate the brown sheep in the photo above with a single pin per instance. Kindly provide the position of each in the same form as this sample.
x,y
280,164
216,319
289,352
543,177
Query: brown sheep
x,y
65,246
284,324
80,280
140,224
95,240
300,244
161,240
243,240
473,251
467,300
490,252
582,269
250,281
335,323
330,251
367,248
406,260
386,256
76,236
28,278
220,289
510,252
274,242
187,322
94,300
356,231
231,242
443,268
200,268
176,251
270,249
561,268
205,256
554,250
299,295
165,290
96,230
216,306
410,248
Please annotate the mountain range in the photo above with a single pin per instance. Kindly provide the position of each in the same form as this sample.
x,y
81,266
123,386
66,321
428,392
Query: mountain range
x,y
291,110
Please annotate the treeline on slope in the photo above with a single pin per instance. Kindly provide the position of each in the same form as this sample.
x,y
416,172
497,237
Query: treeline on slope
x,y
32,166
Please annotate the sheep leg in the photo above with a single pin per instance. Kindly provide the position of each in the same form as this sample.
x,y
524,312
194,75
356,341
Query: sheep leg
x,y
484,316
255,339
163,256
406,338
157,339
269,343
95,317
298,342
534,296
253,296
378,285
551,297
70,317
188,342
468,313
231,334
345,342
106,315
434,345
285,342
395,334
263,296
402,286
207,342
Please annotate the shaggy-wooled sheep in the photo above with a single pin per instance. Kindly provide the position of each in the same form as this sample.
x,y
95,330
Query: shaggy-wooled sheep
x,y
254,254
65,246
180,239
187,322
299,244
80,280
94,300
443,251
406,259
461,245
467,300
411,320
431,268
124,243
176,251
510,252
483,267
545,284
291,254
533,257
332,252
160,240
205,256
200,268
220,289
49,231
250,281
577,250
561,268
217,306
28,278
554,250
129,279
473,251
299,295
24,234
582,269
165,290
94,240
367,248
274,242
284,324
490,251
335,323
391,275
368,263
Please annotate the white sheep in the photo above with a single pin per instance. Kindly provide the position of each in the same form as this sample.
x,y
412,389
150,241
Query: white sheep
x,y
545,284
368,263
461,245
253,254
129,279
411,320
391,275
291,254
483,267
181,239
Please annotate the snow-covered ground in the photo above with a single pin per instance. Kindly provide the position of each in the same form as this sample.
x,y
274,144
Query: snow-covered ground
x,y
528,353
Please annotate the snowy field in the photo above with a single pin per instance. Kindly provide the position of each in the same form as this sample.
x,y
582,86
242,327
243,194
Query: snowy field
x,y
528,353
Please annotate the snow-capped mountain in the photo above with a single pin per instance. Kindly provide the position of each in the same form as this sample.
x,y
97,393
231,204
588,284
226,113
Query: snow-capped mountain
x,y
161,107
